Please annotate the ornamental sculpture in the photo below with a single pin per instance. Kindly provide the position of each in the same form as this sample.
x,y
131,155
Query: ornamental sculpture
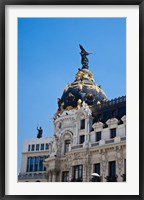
x,y
84,59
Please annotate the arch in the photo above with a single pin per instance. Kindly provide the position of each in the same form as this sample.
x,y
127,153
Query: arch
x,y
66,134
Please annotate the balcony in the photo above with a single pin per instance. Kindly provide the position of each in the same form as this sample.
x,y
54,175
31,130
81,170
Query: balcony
x,y
31,176
96,179
111,178
95,144
76,180
123,138
109,141
77,146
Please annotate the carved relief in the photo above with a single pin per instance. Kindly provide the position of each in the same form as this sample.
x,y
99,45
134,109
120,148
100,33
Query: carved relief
x,y
119,159
104,160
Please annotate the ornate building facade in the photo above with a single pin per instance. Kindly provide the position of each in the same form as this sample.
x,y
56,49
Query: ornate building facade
x,y
89,142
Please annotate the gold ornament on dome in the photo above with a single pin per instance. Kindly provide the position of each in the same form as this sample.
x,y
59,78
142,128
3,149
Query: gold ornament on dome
x,y
90,96
86,75
62,106
69,108
98,103
80,85
79,102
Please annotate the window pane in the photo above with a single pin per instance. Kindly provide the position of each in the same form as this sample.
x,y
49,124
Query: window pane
x,y
28,164
112,168
78,172
37,147
65,176
82,139
113,133
97,168
42,146
32,147
98,136
47,146
28,147
82,124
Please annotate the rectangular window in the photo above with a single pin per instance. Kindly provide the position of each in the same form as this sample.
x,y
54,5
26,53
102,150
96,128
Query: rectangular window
x,y
78,173
41,164
82,139
32,162
98,136
47,146
32,147
112,168
113,133
65,176
82,124
35,164
28,164
36,167
97,168
28,147
42,146
37,147
67,143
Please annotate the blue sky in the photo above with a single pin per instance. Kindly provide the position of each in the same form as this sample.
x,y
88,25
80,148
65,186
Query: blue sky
x,y
48,59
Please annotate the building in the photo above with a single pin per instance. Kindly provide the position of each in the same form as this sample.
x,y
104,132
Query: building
x,y
89,134
35,151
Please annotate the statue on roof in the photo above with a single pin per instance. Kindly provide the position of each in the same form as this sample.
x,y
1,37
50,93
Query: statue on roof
x,y
84,59
40,131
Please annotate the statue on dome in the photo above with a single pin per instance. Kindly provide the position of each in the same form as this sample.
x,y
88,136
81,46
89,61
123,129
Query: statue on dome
x,y
84,59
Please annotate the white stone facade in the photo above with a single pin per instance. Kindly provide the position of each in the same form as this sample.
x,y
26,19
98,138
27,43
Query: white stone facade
x,y
35,151
75,146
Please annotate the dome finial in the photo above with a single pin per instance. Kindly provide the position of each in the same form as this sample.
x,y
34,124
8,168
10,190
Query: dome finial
x,y
84,59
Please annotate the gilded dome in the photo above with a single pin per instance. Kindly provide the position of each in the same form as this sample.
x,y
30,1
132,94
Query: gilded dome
x,y
82,89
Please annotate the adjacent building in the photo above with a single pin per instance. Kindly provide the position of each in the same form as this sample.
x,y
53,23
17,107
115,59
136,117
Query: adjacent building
x,y
35,151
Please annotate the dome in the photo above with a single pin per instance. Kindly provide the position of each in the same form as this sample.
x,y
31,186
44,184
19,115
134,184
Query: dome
x,y
82,89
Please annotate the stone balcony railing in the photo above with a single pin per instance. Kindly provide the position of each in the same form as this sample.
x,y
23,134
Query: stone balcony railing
x,y
98,143
31,176
77,146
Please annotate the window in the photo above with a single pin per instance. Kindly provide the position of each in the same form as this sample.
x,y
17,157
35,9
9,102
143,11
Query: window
x,y
42,146
98,136
112,168
65,176
37,147
82,124
47,146
32,161
113,133
97,168
78,173
32,147
41,164
82,139
28,147
35,164
28,164
36,167
67,143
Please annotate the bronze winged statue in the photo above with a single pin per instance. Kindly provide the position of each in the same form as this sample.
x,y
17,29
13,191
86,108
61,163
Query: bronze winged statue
x,y
84,59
